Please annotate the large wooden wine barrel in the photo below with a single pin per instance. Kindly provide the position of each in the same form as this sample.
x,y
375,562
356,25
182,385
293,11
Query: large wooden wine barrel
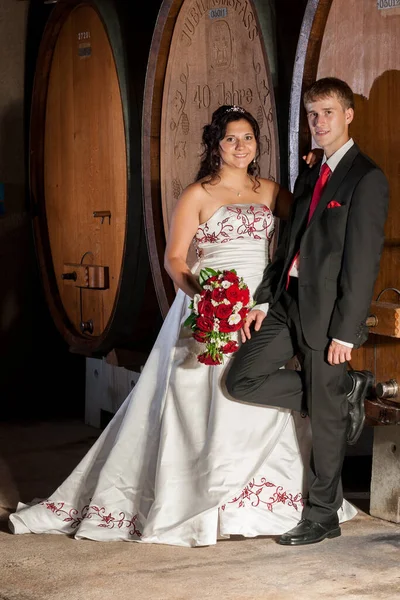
x,y
359,42
204,53
85,176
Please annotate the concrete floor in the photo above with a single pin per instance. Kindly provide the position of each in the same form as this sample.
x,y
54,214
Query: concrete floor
x,y
35,457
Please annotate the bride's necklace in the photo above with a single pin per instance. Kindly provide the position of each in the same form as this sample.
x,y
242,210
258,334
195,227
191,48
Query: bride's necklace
x,y
237,192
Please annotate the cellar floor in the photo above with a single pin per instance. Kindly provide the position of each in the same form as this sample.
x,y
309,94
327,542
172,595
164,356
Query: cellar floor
x,y
35,457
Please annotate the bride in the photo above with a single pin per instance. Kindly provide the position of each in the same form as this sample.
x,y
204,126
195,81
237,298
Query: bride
x,y
182,462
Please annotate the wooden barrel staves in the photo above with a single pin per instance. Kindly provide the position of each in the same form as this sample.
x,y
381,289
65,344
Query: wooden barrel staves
x,y
205,53
85,177
359,42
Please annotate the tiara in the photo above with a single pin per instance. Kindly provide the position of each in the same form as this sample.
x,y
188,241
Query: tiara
x,y
235,108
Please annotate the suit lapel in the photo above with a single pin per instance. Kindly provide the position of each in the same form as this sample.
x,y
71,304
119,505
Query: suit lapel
x,y
300,212
303,205
334,181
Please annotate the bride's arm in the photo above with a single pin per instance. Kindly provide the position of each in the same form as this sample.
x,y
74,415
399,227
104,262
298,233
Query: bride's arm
x,y
184,223
283,203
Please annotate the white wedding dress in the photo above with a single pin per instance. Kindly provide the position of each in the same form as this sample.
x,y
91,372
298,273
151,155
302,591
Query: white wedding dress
x,y
181,462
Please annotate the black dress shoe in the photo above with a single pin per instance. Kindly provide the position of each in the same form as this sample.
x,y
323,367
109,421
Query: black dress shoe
x,y
363,382
310,532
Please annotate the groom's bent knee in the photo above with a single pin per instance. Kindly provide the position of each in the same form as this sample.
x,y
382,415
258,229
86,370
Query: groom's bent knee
x,y
232,385
238,386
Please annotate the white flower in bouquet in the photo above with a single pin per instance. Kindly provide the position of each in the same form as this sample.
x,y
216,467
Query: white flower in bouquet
x,y
226,284
196,300
234,318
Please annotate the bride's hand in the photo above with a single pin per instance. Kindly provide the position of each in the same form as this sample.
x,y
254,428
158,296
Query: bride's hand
x,y
314,156
256,317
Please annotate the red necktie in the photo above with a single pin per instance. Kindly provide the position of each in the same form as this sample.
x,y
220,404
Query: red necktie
x,y
319,188
316,197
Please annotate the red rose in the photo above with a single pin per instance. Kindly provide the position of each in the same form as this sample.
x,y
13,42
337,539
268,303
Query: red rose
x,y
218,294
243,312
244,296
233,294
207,359
223,311
200,336
205,323
205,308
211,279
230,347
225,327
232,277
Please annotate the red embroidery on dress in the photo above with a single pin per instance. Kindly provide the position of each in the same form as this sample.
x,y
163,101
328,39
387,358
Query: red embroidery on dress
x,y
75,517
214,236
253,220
253,491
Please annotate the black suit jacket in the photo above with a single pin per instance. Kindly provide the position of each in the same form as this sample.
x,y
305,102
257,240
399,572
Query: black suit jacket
x,y
340,250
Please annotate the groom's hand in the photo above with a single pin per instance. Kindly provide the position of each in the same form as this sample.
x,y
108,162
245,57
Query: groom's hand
x,y
338,353
313,156
256,317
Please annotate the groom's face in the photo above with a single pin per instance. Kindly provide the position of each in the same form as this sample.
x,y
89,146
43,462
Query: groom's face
x,y
329,122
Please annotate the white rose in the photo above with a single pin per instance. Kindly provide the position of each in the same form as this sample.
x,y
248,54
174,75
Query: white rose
x,y
238,306
196,300
226,284
233,319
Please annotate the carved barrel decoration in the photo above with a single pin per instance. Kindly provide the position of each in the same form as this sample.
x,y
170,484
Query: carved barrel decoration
x,y
216,56
360,43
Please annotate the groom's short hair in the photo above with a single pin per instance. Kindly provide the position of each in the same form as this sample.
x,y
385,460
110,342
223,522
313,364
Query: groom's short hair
x,y
329,86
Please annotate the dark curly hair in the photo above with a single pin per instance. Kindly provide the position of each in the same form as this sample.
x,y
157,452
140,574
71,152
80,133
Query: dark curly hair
x,y
215,131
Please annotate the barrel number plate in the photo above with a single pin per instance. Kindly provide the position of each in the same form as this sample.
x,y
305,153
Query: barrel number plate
x,y
218,13
84,46
385,4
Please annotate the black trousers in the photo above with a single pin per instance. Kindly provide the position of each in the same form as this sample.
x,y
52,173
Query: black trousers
x,y
255,376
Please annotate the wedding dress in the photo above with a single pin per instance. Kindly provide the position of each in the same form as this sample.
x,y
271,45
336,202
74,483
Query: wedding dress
x,y
181,462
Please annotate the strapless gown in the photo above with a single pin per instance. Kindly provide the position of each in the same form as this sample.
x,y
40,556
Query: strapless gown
x,y
182,462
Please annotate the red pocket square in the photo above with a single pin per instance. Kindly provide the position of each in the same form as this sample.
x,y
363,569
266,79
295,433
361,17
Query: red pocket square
x,y
333,204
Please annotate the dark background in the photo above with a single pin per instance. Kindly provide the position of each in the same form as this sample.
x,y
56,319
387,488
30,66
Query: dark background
x,y
39,377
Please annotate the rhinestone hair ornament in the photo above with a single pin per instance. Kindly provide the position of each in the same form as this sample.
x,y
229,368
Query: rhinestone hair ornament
x,y
235,108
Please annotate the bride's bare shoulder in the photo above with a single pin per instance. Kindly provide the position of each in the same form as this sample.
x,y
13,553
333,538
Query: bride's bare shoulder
x,y
268,185
278,198
197,189
269,190
197,192
191,199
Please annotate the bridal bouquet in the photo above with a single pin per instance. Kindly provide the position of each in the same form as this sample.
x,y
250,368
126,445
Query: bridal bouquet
x,y
217,312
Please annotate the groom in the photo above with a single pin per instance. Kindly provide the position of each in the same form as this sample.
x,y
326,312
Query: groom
x,y
319,287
